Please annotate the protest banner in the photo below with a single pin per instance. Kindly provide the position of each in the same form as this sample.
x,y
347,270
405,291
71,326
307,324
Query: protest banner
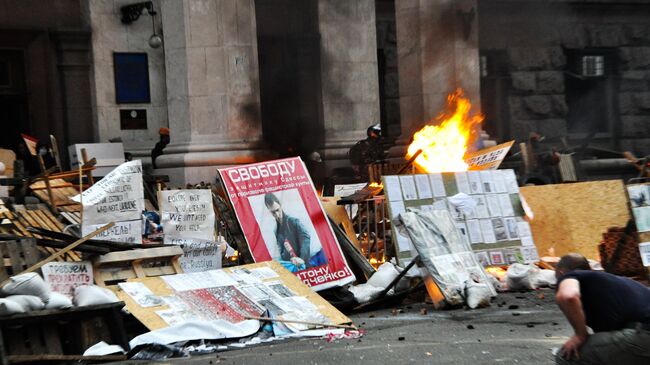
x,y
63,277
128,231
186,213
198,254
282,220
488,158
118,197
187,217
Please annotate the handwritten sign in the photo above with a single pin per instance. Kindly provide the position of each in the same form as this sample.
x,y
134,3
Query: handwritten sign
x,y
129,231
119,196
64,277
186,214
198,255
187,218
488,158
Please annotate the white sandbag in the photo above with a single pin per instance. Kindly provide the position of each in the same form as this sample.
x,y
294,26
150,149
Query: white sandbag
x,y
463,202
93,295
364,293
58,301
9,307
478,294
28,284
518,276
28,302
543,279
385,274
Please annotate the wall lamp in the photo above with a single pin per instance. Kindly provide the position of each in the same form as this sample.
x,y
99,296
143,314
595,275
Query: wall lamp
x,y
131,13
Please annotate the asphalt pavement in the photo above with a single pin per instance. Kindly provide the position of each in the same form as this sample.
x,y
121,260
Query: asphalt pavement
x,y
519,328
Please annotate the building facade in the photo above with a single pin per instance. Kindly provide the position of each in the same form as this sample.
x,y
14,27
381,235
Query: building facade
x,y
239,81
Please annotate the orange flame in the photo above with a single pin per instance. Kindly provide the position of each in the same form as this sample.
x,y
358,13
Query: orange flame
x,y
444,145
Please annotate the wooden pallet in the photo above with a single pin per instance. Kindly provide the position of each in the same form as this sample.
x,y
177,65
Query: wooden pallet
x,y
43,218
59,334
115,267
17,256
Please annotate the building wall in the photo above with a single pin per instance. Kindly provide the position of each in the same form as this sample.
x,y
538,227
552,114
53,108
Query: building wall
x,y
109,35
535,38
54,42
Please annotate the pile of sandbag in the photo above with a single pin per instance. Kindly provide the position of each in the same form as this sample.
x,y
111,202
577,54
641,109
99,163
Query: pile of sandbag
x,y
520,276
29,292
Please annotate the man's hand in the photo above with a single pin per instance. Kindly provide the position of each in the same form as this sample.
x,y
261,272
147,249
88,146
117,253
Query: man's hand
x,y
297,261
571,349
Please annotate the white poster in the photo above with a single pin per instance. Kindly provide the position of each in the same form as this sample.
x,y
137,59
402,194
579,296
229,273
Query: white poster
x,y
117,197
198,254
64,277
187,217
129,231
186,213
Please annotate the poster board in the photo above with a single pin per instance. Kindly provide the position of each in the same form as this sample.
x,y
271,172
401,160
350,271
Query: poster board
x,y
158,286
488,158
496,229
282,219
639,195
444,253
573,217
64,277
118,197
188,218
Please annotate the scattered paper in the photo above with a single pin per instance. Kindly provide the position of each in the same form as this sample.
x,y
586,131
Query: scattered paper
x,y
141,294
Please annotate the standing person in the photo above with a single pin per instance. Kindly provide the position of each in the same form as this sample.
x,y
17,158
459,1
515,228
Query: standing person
x,y
162,143
617,309
292,238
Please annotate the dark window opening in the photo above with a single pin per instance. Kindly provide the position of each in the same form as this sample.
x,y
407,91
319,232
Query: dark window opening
x,y
591,82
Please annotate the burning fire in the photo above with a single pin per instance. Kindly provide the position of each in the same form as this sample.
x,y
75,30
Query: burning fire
x,y
444,145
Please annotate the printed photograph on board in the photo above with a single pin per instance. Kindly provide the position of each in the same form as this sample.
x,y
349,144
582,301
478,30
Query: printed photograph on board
x,y
287,230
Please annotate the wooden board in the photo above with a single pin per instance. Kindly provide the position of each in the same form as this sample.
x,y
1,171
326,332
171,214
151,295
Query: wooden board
x,y
340,216
573,217
157,285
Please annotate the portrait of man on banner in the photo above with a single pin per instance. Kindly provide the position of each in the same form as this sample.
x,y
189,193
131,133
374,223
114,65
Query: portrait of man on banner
x,y
288,233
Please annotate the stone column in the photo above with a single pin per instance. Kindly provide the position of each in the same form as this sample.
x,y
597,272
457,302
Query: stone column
x,y
437,46
212,87
73,63
350,90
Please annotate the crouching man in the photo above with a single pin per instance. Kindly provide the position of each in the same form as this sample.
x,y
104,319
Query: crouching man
x,y
617,309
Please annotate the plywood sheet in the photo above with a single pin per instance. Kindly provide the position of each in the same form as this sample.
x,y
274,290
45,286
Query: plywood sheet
x,y
157,285
340,216
573,217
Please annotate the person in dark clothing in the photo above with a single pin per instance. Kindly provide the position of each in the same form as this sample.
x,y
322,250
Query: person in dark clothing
x,y
292,238
367,151
617,309
162,143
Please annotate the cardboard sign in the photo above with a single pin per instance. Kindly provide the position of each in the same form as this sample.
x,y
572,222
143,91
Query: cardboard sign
x,y
198,255
63,277
282,219
117,197
187,217
129,231
186,214
488,158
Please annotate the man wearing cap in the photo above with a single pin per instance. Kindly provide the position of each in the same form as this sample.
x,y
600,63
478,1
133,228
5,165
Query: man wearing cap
x,y
617,309
162,143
